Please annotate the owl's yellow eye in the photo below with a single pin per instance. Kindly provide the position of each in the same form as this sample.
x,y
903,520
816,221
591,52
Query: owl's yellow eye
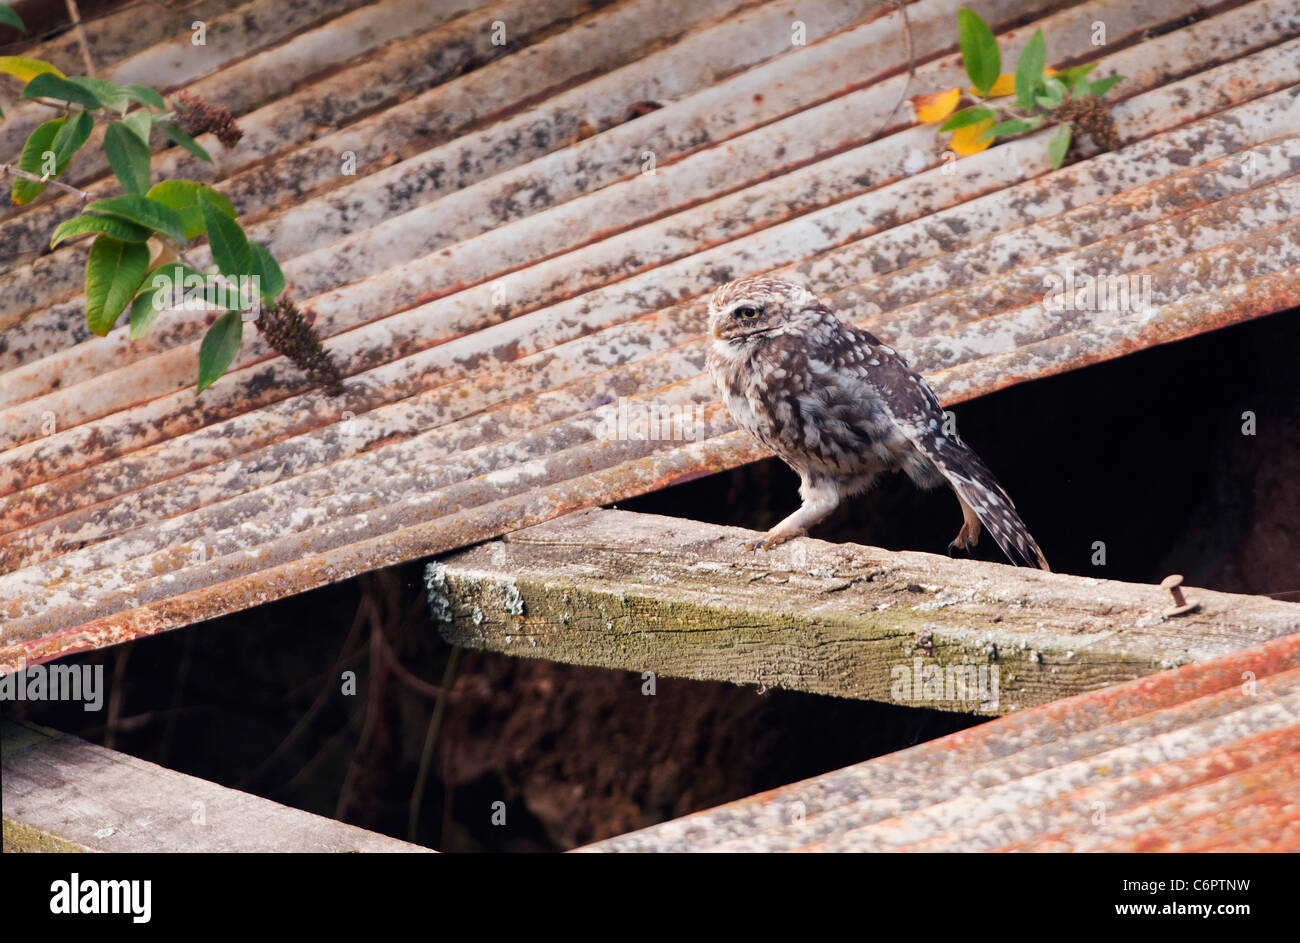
x,y
747,313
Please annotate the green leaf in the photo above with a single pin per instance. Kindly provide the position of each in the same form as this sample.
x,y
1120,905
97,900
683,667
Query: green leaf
x,y
142,210
1055,89
1102,86
1081,88
1014,126
218,200
1072,75
128,156
114,271
161,287
9,18
39,143
967,116
111,94
26,69
183,197
267,270
49,85
74,133
1059,145
184,140
979,50
218,349
144,311
139,123
1029,69
230,248
145,96
82,225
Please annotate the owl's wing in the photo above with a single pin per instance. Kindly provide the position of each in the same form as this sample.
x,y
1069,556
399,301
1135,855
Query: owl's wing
x,y
917,414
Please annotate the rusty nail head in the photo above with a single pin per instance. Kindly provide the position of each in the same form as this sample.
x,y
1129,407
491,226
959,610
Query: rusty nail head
x,y
1181,606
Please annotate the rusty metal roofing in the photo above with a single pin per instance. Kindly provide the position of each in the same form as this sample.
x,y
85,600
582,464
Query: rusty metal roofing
x,y
493,277
1201,758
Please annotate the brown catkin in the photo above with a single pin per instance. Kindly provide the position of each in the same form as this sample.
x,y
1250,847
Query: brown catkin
x,y
1090,116
286,329
197,116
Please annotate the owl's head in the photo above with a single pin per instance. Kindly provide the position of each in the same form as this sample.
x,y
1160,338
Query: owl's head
x,y
754,306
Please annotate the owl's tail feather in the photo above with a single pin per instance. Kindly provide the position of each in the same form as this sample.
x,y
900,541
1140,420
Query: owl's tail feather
x,y
976,486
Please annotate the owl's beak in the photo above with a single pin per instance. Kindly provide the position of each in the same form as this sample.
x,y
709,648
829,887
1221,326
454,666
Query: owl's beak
x,y
721,328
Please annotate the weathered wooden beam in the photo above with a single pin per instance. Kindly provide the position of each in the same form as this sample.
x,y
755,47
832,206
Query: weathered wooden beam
x,y
681,598
64,794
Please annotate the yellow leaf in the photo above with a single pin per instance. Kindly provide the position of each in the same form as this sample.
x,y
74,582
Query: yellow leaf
x,y
1005,85
936,106
965,141
26,69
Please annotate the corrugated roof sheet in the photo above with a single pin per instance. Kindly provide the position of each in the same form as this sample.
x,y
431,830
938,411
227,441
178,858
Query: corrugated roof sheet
x,y
1201,758
491,286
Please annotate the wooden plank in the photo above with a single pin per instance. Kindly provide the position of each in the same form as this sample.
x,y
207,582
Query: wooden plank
x,y
1203,757
681,598
64,794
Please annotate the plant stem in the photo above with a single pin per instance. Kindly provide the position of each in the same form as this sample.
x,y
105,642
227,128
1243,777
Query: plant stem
x,y
901,6
6,169
75,15
430,739
220,279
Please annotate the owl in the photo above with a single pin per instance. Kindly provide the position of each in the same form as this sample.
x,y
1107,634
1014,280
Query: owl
x,y
840,408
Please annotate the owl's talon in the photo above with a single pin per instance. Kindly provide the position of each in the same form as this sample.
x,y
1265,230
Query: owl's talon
x,y
766,542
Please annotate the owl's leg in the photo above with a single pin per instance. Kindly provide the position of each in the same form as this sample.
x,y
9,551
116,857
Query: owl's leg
x,y
969,535
819,499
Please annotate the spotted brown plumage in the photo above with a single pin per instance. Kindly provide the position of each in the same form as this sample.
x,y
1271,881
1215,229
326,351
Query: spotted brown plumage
x,y
840,407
